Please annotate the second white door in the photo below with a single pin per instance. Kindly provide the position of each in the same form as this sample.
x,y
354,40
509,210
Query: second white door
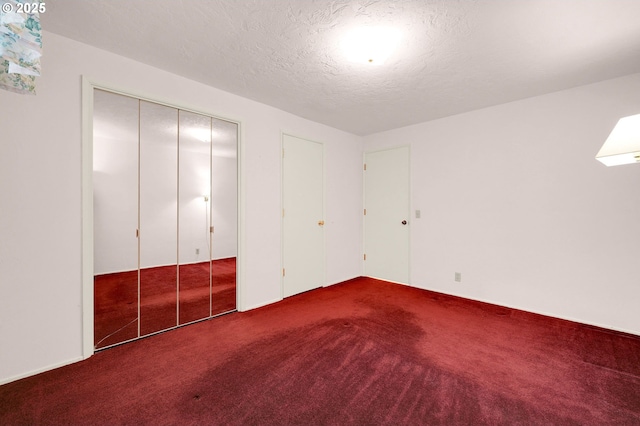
x,y
303,215
386,220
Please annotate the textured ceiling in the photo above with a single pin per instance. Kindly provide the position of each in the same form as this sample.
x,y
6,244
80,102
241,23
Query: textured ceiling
x,y
455,56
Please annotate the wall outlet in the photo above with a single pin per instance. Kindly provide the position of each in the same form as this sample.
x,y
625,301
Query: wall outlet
x,y
197,251
458,277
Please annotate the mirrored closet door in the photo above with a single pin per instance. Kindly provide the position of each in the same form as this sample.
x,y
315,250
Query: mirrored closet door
x,y
165,217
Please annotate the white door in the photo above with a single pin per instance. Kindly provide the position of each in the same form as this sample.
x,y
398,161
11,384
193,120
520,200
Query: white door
x,y
386,220
302,215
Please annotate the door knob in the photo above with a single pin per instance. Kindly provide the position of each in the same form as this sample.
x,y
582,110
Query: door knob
x,y
321,222
404,222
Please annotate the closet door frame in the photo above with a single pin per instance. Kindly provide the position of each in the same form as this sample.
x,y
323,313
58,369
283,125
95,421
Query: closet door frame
x,y
87,238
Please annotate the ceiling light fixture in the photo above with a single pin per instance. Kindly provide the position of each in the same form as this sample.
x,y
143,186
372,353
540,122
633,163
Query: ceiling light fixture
x,y
371,45
623,144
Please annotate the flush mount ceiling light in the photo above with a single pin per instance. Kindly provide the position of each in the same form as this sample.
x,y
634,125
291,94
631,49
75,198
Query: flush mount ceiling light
x,y
623,144
371,45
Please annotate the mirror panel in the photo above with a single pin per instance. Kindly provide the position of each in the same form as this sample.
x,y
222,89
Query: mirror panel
x,y
194,216
158,212
224,215
115,203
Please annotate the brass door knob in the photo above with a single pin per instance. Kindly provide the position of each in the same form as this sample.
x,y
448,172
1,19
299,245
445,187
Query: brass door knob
x,y
321,222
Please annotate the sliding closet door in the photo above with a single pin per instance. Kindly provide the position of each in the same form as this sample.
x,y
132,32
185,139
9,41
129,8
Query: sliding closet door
x,y
115,219
158,213
194,216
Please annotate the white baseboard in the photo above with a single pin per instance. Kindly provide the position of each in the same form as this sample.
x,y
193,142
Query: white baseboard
x,y
536,312
4,381
341,281
260,305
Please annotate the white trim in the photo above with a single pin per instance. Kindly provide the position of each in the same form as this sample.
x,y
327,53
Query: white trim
x,y
40,370
410,216
282,134
87,219
240,250
530,311
395,282
342,281
261,305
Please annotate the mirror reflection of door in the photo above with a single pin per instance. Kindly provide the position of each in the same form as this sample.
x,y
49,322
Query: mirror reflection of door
x,y
165,217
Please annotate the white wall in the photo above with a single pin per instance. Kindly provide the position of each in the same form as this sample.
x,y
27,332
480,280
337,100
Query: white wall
x,y
40,189
512,197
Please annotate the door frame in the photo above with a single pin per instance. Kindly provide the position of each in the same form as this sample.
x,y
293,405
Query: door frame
x,y
87,266
324,206
410,216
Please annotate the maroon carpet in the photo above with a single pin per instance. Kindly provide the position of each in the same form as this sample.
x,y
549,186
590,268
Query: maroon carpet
x,y
361,352
116,299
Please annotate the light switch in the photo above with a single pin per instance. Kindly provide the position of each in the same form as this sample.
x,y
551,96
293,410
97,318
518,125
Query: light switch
x,y
417,214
